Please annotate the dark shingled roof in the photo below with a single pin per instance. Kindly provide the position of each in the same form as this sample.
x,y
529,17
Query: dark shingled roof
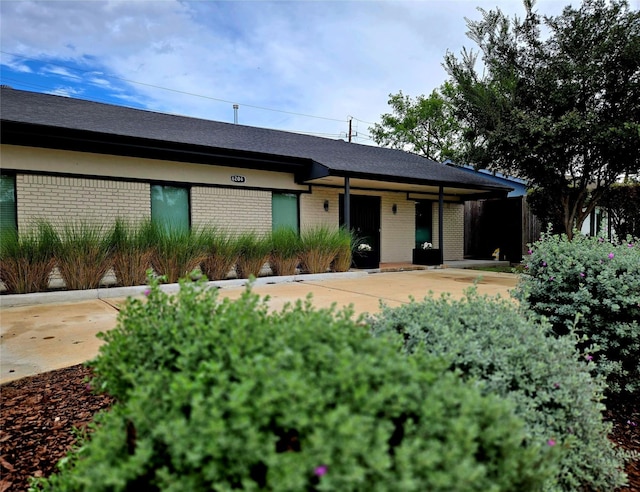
x,y
335,156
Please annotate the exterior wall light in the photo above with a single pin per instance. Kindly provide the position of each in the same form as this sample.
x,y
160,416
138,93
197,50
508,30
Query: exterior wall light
x,y
394,209
326,205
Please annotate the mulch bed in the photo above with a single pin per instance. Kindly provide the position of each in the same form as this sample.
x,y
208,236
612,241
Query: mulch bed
x,y
38,415
36,422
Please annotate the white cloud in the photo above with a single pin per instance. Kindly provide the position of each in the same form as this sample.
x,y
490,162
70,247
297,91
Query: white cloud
x,y
330,59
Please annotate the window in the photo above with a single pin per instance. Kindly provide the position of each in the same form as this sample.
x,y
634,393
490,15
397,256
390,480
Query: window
x,y
170,206
284,211
423,223
8,202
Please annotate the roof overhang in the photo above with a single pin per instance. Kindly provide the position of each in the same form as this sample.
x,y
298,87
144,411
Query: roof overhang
x,y
30,135
305,170
414,189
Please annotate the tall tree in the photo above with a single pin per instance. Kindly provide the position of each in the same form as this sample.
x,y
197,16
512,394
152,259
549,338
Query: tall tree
x,y
422,125
557,100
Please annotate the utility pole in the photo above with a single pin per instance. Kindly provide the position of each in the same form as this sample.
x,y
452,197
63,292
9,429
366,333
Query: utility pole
x,y
350,120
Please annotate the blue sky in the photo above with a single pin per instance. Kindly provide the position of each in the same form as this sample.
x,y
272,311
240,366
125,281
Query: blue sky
x,y
303,66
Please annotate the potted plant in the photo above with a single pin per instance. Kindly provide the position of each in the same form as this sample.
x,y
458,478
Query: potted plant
x,y
365,256
426,254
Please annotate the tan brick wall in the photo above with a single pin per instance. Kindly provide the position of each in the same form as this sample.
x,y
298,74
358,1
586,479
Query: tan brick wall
x,y
453,218
312,213
397,231
58,199
235,210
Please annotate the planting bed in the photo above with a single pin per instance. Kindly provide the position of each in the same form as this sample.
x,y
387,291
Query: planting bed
x,y
39,413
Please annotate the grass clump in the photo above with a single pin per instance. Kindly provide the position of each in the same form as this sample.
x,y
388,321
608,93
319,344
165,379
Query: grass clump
x,y
27,258
489,341
132,251
346,244
83,254
222,251
285,251
177,251
254,253
320,245
222,395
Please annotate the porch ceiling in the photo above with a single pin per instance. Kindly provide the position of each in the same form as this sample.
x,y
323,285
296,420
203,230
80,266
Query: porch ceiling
x,y
413,190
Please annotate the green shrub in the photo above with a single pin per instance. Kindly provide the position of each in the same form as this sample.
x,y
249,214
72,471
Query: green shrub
x,y
599,283
83,254
27,259
320,245
177,251
222,251
285,251
254,253
488,340
222,395
132,251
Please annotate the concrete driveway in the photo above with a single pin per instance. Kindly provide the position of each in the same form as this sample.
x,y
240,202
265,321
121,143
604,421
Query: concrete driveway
x,y
45,337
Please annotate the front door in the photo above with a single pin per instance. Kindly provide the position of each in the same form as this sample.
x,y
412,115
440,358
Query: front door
x,y
365,223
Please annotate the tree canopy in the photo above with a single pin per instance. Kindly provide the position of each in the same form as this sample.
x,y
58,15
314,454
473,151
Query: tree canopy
x,y
556,100
422,125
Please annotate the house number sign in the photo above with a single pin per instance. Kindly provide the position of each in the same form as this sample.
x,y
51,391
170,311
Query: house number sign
x,y
238,179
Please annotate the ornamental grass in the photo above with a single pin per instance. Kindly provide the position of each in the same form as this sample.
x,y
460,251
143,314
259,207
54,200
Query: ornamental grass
x,y
132,251
222,251
83,254
344,257
285,251
320,246
254,253
27,259
177,251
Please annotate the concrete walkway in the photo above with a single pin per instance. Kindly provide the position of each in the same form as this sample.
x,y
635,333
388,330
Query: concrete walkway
x,y
46,336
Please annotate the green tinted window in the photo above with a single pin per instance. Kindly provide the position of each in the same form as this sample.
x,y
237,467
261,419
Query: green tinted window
x,y
423,223
8,202
284,211
170,206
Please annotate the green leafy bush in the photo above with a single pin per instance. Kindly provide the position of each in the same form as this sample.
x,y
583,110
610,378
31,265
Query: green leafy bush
x,y
222,395
489,341
596,283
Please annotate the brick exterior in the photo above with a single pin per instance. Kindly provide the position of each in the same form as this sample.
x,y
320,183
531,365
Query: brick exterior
x,y
235,210
312,213
101,198
56,199
397,232
453,218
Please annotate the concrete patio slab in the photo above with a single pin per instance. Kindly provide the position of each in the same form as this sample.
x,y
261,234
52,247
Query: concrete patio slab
x,y
44,337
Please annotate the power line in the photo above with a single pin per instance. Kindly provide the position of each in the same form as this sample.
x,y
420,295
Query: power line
x,y
51,90
176,91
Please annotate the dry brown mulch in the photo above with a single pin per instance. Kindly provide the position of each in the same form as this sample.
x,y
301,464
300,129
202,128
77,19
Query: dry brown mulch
x,y
36,421
38,415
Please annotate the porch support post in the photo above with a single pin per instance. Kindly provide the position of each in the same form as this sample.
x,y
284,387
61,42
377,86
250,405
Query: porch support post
x,y
441,224
347,204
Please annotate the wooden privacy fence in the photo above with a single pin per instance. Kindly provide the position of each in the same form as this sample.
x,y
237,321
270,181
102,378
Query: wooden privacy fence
x,y
504,223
